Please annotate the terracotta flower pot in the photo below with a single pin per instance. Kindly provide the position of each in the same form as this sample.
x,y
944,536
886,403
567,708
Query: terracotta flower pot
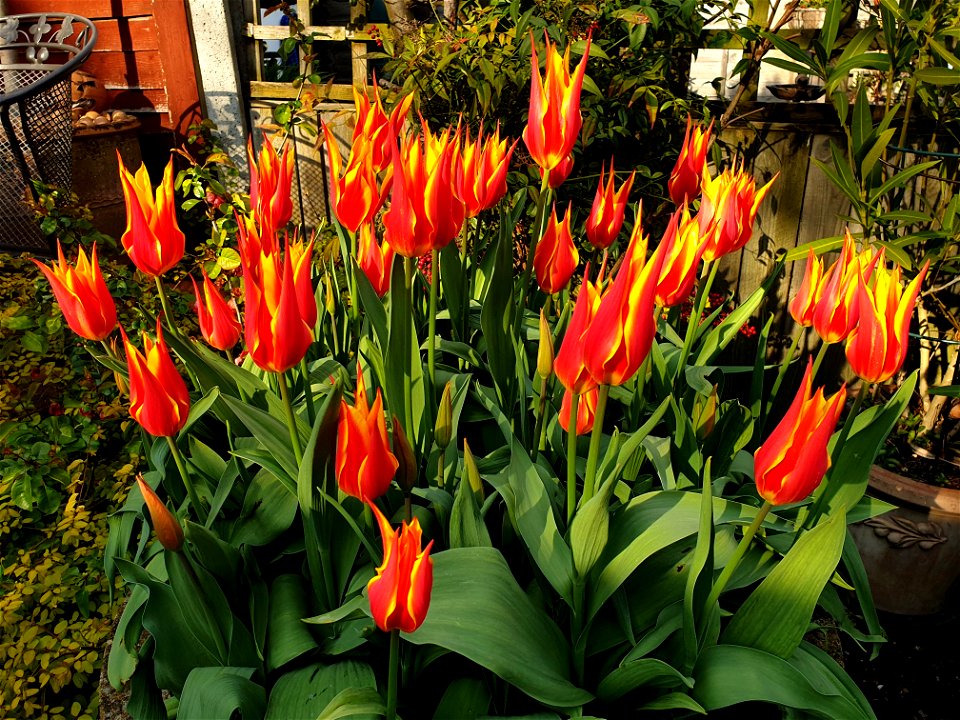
x,y
912,553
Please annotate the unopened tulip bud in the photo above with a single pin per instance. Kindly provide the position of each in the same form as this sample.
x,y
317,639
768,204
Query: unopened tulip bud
x,y
443,430
406,476
545,352
329,302
165,525
473,474
705,414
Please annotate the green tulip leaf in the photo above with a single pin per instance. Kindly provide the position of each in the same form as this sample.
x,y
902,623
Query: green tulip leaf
x,y
353,702
777,614
478,610
218,693
847,480
271,432
288,637
306,693
373,309
643,673
465,698
177,651
651,522
726,675
467,528
531,511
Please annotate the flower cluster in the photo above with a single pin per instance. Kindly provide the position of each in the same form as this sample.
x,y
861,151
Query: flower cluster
x,y
859,301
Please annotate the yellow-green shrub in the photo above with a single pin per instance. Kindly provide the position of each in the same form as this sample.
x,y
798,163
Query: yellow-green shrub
x,y
55,612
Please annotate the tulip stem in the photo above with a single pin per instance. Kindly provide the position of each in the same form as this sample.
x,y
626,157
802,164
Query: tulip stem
x,y
187,481
788,358
165,304
291,418
393,671
572,456
738,554
408,269
109,350
466,283
432,322
816,363
694,322
590,481
308,391
538,222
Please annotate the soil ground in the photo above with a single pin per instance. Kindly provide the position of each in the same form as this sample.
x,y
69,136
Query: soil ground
x,y
917,673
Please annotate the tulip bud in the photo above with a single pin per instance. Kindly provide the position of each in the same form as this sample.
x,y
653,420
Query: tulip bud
x,y
705,414
443,430
473,474
545,352
165,525
407,462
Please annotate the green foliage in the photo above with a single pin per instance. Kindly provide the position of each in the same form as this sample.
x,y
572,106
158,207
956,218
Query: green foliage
x,y
62,217
209,199
634,92
55,611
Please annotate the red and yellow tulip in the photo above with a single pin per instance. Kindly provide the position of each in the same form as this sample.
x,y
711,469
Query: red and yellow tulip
x,y
684,182
271,176
836,312
481,171
425,213
279,313
400,592
554,120
569,364
159,399
728,208
609,206
586,410
790,464
877,345
621,333
152,238
357,194
375,259
82,294
364,464
219,323
556,256
804,303
375,129
682,248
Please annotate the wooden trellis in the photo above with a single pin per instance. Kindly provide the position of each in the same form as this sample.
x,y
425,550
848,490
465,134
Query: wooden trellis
x,y
333,100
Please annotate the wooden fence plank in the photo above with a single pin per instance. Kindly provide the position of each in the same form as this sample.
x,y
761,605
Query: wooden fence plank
x,y
92,9
286,91
130,34
177,65
123,70
333,33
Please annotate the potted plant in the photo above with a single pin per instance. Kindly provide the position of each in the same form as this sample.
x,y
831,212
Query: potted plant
x,y
902,201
